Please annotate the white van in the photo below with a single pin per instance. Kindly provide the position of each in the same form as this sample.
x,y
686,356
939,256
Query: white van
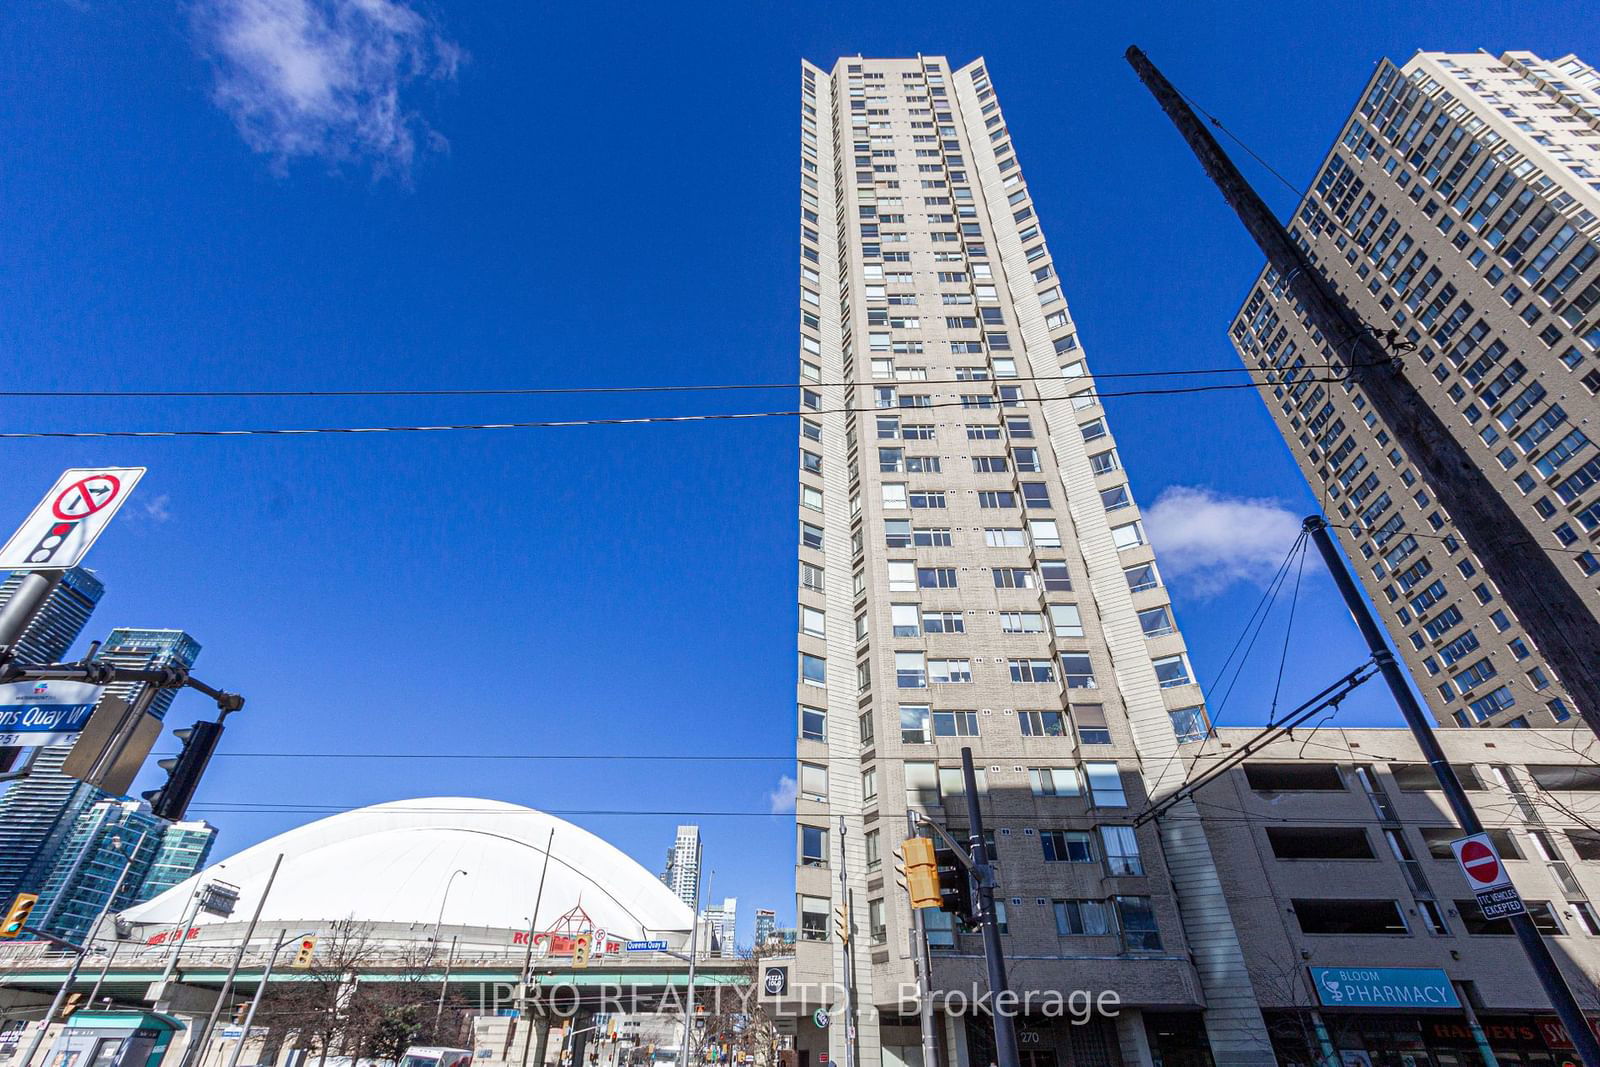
x,y
435,1056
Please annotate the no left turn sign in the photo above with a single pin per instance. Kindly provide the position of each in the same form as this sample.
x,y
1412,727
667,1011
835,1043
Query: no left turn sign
x,y
71,516
86,496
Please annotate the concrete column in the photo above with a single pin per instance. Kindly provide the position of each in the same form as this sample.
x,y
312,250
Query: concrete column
x,y
541,1046
1132,1040
580,1037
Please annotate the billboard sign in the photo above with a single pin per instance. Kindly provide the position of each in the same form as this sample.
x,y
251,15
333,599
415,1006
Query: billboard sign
x,y
72,515
45,713
1384,987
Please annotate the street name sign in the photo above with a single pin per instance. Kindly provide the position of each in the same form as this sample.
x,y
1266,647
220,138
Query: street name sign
x,y
45,713
1487,876
72,515
646,946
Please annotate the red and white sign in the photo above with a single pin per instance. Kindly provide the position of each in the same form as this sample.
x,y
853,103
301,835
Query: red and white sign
x,y
69,519
1487,876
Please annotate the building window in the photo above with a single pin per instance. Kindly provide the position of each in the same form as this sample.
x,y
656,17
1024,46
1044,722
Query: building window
x,y
813,846
1156,622
955,724
1171,671
1472,920
1352,917
1090,719
909,672
914,724
1137,918
1067,846
814,918
813,724
1081,918
1121,848
1042,723
1188,724
1077,671
1105,784
1055,781
813,781
813,669
1066,620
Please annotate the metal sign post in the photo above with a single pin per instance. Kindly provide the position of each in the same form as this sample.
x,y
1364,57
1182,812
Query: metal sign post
x,y
1543,963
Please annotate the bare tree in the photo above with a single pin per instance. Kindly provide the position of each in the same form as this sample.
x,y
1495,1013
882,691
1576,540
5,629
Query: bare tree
x,y
736,1021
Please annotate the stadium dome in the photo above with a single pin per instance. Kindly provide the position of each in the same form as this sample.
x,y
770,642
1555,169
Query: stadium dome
x,y
394,866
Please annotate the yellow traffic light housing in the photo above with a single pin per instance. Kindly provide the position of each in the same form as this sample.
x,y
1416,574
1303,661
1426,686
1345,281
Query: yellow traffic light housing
x,y
17,917
304,954
841,922
581,946
922,872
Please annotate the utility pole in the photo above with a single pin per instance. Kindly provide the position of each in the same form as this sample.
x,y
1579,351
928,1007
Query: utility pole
x,y
1005,1030
199,1042
255,1001
848,962
1544,964
1548,606
694,938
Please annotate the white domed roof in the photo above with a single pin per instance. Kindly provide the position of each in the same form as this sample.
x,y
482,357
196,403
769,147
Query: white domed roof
x,y
392,863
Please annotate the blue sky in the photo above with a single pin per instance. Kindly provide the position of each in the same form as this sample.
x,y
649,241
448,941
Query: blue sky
x,y
198,195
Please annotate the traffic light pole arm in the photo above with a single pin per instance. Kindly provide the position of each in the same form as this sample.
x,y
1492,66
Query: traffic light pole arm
x,y
97,672
54,940
960,850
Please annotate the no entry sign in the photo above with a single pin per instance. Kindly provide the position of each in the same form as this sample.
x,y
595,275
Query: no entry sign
x,y
71,516
1487,876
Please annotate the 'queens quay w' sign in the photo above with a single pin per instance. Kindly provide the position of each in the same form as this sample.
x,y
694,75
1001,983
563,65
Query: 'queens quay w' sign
x,y
1384,987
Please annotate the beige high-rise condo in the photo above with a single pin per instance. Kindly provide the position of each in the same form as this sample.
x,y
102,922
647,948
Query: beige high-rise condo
x,y
1460,209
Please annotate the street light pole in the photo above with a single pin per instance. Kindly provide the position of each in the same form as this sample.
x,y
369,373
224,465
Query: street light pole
x,y
845,947
694,938
255,1001
77,962
930,1034
202,1041
527,959
440,922
444,987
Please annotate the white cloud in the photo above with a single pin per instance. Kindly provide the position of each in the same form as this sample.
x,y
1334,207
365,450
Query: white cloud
x,y
157,510
325,79
782,798
1210,541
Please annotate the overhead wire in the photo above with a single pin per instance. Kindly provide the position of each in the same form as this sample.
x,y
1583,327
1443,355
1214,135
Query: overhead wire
x,y
18,435
1288,630
1267,597
570,390
1253,154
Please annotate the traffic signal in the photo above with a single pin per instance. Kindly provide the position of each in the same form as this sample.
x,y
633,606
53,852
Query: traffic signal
x,y
71,1005
922,872
841,922
240,1010
580,950
17,917
303,955
171,801
955,890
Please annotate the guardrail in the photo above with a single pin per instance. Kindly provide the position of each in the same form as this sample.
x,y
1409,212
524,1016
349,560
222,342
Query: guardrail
x,y
34,955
